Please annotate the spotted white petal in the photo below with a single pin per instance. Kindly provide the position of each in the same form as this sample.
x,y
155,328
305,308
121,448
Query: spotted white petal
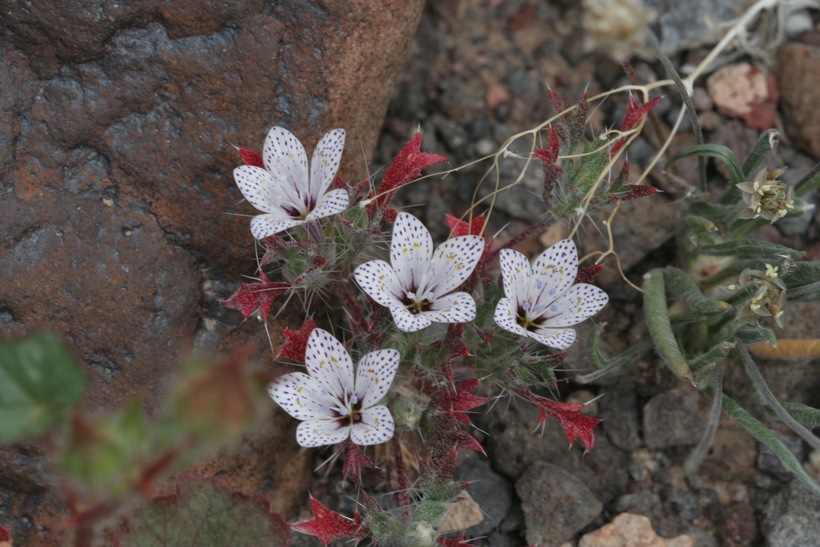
x,y
554,338
515,274
379,281
578,304
505,317
263,226
375,374
553,272
300,396
332,203
257,186
376,426
325,162
313,433
452,264
406,321
458,307
329,363
410,250
285,156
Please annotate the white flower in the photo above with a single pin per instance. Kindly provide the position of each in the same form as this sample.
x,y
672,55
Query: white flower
x,y
542,300
418,287
329,403
284,190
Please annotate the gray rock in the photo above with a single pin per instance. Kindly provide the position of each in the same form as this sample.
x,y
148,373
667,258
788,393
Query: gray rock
x,y
492,492
689,24
557,504
640,503
792,518
768,462
619,412
672,419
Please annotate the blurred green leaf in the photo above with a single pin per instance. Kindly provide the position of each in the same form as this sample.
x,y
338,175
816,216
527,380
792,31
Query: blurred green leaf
x,y
39,383
749,247
108,453
206,512
806,415
803,281
766,143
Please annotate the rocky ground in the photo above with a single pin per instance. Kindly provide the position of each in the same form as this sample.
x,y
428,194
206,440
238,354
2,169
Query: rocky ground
x,y
476,74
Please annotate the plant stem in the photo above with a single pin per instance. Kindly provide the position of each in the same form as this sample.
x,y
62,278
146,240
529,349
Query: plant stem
x,y
696,457
524,235
763,389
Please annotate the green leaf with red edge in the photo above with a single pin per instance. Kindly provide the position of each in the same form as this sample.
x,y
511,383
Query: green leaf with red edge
x,y
328,525
206,512
39,383
568,415
256,296
296,342
408,165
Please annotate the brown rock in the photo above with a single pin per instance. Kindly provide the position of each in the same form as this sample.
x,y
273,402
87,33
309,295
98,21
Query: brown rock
x,y
628,529
115,162
798,77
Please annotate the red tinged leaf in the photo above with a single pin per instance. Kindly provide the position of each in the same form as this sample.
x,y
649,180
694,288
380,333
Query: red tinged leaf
x,y
453,542
588,274
251,158
354,461
408,165
568,416
462,400
327,525
296,342
461,228
256,296
633,115
635,191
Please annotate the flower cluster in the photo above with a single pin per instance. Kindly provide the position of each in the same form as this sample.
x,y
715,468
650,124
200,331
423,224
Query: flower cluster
x,y
768,292
766,197
420,286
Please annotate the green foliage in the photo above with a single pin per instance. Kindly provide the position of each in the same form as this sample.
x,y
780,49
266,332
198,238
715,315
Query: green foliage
x,y
39,383
206,512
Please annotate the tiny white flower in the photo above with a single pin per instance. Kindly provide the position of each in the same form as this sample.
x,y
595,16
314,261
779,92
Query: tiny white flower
x,y
541,300
330,404
284,190
417,286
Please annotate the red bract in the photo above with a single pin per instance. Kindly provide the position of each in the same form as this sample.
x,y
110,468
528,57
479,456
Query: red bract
x,y
328,525
460,228
407,166
453,542
551,171
462,400
296,342
633,115
635,191
569,417
251,158
354,460
256,296
588,274
5,535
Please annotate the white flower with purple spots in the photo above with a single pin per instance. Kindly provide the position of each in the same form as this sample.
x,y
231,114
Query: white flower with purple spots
x,y
417,286
541,301
330,404
284,190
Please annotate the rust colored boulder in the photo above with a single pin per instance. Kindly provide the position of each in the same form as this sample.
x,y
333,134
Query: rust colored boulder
x,y
116,153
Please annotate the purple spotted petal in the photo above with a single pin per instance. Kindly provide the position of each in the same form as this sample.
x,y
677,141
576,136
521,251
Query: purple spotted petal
x,y
332,203
375,374
578,304
458,307
313,433
505,317
406,321
376,426
285,158
379,281
263,226
300,396
452,264
325,162
515,273
329,363
554,338
410,250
